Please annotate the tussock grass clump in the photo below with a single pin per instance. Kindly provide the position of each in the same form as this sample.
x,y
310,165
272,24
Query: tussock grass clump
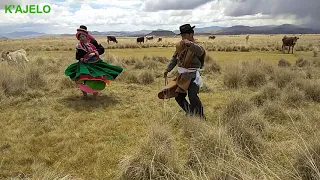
x,y
284,63
152,65
316,62
292,96
312,90
229,49
274,112
211,65
208,59
248,142
42,171
40,61
271,91
308,160
282,77
268,92
236,107
233,77
244,49
251,74
66,83
128,77
146,77
139,65
208,147
156,157
315,52
34,78
16,80
11,82
205,89
302,62
258,99
254,77
160,59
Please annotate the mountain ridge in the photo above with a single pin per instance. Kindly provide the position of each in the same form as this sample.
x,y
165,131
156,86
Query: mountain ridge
x,y
210,30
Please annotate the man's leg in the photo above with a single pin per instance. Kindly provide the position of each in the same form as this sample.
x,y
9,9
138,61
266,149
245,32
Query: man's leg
x,y
195,103
183,103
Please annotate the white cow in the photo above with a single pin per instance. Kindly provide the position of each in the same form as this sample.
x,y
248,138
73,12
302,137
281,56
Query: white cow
x,y
16,57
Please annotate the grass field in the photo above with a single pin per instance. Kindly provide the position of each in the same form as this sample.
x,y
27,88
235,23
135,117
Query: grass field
x,y
262,119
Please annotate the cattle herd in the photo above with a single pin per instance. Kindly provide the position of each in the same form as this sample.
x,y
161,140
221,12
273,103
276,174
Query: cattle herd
x,y
141,39
20,56
286,41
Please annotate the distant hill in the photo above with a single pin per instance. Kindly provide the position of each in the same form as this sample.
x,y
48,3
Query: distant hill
x,y
161,33
121,33
23,34
204,30
214,30
282,29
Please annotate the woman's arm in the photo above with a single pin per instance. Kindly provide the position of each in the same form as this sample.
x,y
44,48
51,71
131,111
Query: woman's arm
x,y
80,54
100,49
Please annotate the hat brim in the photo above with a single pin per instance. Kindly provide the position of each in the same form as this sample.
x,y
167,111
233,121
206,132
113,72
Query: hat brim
x,y
187,30
83,30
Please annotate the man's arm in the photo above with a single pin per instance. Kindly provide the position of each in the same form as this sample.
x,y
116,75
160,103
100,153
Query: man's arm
x,y
196,49
172,62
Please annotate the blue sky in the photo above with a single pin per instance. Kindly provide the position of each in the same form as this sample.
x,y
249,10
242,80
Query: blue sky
x,y
132,15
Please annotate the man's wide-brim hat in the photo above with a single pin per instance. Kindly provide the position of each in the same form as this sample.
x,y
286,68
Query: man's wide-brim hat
x,y
186,28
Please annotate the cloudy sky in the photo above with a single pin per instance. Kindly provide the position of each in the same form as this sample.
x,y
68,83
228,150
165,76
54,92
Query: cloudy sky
x,y
130,15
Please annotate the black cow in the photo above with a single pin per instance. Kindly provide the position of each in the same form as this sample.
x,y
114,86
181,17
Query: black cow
x,y
289,41
212,37
112,38
160,39
140,39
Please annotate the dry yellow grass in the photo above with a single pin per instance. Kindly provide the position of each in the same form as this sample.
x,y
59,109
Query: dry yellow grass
x,y
265,127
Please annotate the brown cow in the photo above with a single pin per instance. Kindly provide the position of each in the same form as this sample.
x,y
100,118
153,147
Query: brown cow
x,y
140,39
112,38
160,39
289,41
212,37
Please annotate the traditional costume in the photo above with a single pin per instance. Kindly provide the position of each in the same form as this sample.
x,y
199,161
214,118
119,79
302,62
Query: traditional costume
x,y
188,81
93,74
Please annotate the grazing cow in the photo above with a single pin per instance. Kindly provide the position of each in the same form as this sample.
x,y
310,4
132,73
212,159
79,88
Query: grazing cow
x,y
160,39
247,38
112,38
212,37
289,41
149,38
140,39
16,57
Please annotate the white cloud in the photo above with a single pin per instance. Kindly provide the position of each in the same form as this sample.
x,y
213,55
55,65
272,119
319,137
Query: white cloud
x,y
125,15
156,5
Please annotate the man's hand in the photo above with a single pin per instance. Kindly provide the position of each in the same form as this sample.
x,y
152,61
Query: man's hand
x,y
186,42
165,74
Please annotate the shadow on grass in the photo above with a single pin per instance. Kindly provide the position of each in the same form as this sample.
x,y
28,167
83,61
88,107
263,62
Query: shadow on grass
x,y
80,103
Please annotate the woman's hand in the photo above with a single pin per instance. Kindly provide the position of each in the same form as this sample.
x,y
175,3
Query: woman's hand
x,y
92,54
83,60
